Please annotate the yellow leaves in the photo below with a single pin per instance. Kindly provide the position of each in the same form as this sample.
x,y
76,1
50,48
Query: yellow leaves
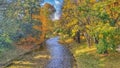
x,y
68,4
69,41
102,59
92,1
23,62
102,27
73,32
82,37
100,35
75,21
75,29
118,23
106,27
80,51
88,26
41,56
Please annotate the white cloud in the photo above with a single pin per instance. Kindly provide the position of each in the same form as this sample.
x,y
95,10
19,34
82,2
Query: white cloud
x,y
58,7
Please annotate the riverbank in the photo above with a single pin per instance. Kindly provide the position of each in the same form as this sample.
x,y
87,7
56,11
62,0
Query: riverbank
x,y
88,58
38,58
51,55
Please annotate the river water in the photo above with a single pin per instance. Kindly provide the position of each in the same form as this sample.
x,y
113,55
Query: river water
x,y
60,55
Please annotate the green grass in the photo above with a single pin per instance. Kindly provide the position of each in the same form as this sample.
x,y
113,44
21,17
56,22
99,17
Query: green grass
x,y
88,61
88,58
2,50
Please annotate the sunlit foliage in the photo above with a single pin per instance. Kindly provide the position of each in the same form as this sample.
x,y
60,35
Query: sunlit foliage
x,y
44,17
97,21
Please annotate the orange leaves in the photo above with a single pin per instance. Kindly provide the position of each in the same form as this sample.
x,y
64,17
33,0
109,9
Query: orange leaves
x,y
93,1
41,18
30,39
42,37
26,41
37,27
36,17
44,18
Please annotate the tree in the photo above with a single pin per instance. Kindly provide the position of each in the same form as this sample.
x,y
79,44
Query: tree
x,y
108,15
97,20
75,19
17,18
44,17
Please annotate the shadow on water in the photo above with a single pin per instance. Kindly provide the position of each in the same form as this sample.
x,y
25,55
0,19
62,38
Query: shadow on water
x,y
60,55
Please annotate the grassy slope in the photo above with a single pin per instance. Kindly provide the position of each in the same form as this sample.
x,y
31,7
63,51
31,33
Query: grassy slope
x,y
88,58
35,59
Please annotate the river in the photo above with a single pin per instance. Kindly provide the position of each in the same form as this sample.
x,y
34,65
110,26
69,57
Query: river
x,y
60,55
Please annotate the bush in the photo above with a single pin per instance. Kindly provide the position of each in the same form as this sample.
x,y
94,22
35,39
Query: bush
x,y
5,43
102,46
27,29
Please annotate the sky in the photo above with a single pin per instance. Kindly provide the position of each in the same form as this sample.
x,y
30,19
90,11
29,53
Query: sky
x,y
57,4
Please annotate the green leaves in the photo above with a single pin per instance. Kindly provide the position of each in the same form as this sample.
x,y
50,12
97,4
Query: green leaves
x,y
5,38
102,46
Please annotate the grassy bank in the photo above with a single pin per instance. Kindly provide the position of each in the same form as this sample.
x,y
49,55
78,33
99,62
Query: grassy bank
x,y
88,58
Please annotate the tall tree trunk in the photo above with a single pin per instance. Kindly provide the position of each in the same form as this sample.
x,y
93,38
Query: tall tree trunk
x,y
88,39
78,36
96,40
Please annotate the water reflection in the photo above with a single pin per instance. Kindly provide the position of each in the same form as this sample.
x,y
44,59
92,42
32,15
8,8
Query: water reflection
x,y
60,55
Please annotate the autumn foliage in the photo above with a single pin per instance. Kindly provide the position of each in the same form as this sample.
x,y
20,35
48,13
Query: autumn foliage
x,y
44,18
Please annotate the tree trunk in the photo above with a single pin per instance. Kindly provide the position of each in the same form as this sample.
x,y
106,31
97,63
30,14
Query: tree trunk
x,y
106,52
96,40
77,36
88,39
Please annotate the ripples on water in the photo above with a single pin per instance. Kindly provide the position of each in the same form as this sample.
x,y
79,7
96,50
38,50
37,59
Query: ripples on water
x,y
60,55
